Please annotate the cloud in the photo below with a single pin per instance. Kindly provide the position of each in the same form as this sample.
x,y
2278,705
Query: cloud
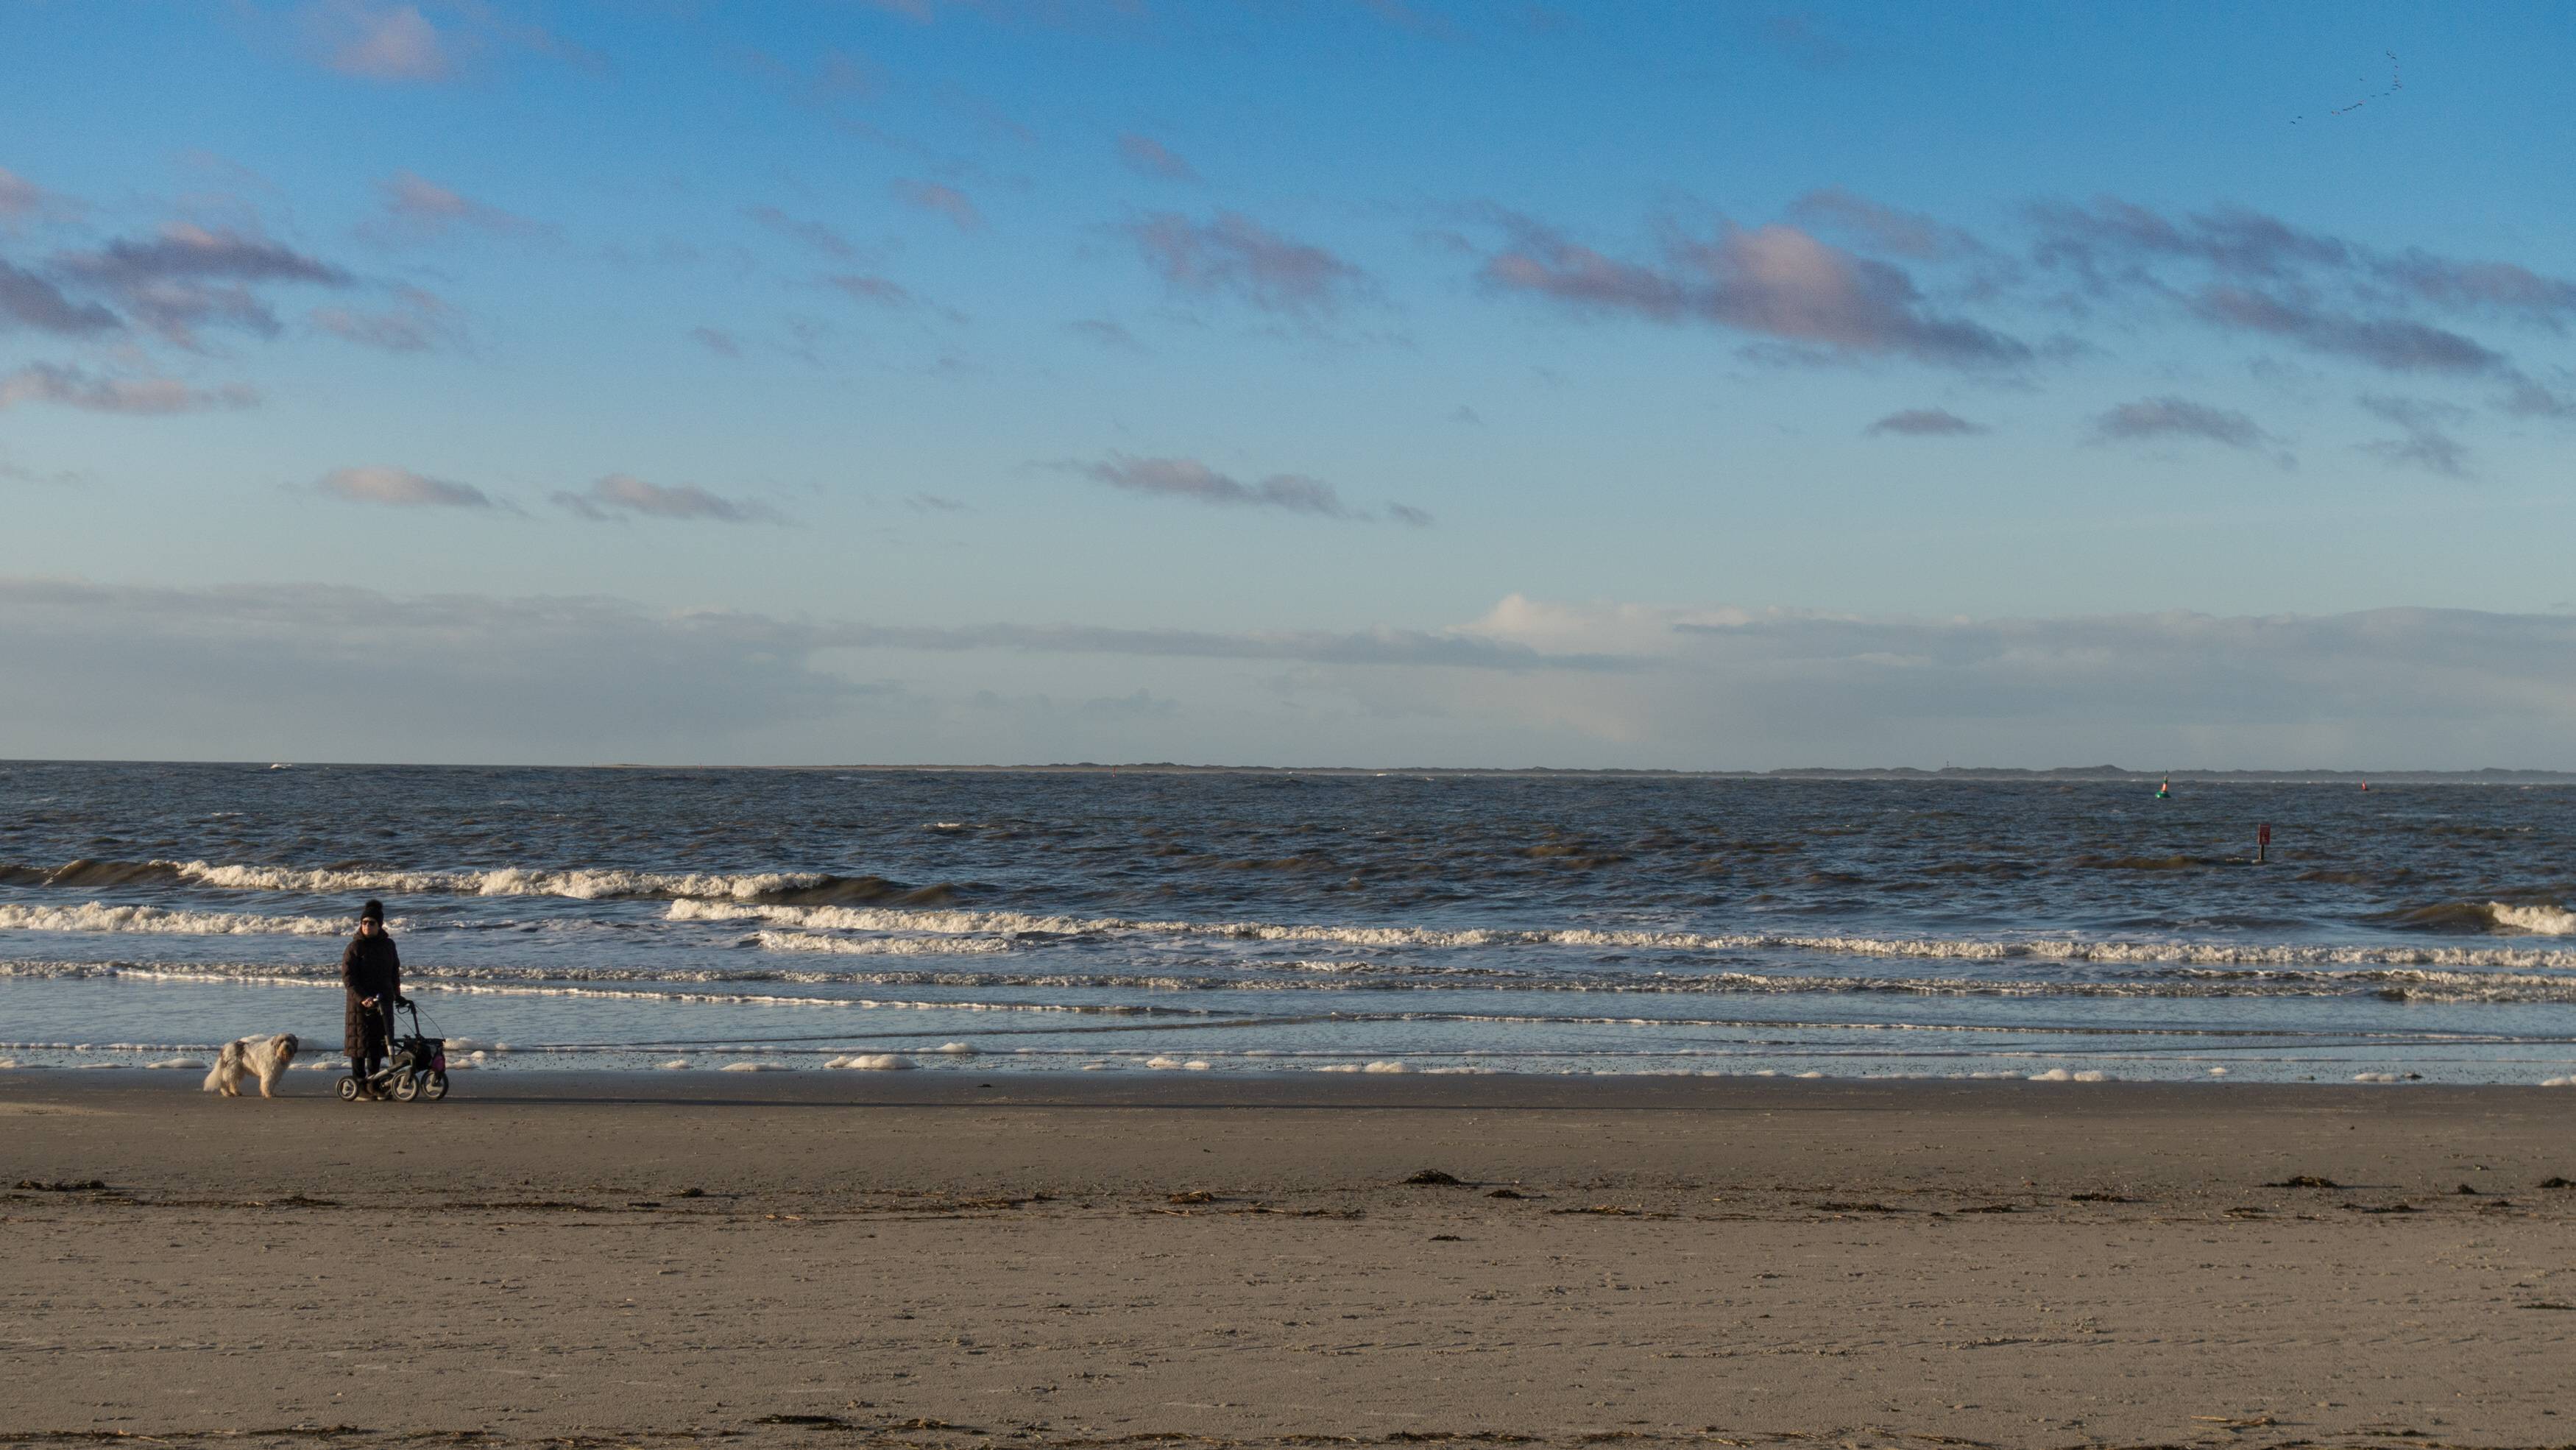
x,y
1190,479
1106,333
419,210
261,671
191,276
71,387
2391,343
23,201
945,201
1925,423
1775,282
2428,443
2499,287
2532,399
936,503
419,322
716,340
1150,157
2156,419
1885,228
880,291
813,234
27,300
1234,254
376,42
623,496
1409,516
400,488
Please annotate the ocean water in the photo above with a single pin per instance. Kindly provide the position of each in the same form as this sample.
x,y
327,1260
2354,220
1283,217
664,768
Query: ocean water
x,y
990,922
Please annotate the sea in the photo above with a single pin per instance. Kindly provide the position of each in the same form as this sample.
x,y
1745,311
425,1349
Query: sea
x,y
1135,921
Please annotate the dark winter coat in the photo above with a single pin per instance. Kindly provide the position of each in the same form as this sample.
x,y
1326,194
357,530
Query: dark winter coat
x,y
369,968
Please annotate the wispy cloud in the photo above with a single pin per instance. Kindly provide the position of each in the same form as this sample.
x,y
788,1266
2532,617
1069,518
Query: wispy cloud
x,y
1925,423
417,209
1188,478
190,276
2151,420
2395,344
377,42
876,291
1776,282
936,503
1885,228
940,200
1233,254
716,340
23,201
72,387
1106,333
822,238
1150,157
419,321
399,488
29,301
622,496
2428,443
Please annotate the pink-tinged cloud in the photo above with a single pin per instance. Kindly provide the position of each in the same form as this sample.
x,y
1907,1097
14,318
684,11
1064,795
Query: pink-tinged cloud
x,y
400,488
945,201
1775,282
1233,254
2393,343
377,42
419,321
623,496
1188,478
191,276
1153,158
418,209
72,387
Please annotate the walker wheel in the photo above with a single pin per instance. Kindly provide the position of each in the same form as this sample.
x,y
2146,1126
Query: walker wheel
x,y
434,1086
406,1087
348,1089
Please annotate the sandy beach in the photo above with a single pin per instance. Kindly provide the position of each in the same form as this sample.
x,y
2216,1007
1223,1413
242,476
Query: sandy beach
x,y
926,1258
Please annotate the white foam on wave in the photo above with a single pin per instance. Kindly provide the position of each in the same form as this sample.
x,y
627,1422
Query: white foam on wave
x,y
880,946
2538,920
1009,924
2059,1074
178,1062
577,885
755,1067
97,916
873,1062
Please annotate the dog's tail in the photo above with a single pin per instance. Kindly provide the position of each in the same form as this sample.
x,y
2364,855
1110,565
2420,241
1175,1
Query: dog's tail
x,y
215,1074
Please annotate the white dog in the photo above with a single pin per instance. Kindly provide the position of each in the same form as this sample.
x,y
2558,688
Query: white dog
x,y
265,1058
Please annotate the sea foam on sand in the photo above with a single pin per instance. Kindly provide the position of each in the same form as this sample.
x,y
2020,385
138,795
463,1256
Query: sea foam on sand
x,y
873,1062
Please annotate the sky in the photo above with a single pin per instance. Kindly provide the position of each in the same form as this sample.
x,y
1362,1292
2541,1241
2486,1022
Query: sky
x,y
1315,382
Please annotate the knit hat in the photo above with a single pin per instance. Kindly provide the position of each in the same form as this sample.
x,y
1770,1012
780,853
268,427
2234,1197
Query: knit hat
x,y
372,911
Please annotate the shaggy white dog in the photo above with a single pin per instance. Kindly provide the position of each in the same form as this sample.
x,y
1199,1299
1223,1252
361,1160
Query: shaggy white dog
x,y
265,1058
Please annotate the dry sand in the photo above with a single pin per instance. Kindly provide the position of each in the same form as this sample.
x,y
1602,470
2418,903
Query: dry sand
x,y
919,1258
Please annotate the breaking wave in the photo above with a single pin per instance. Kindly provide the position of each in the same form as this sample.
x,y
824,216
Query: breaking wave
x,y
808,887
99,917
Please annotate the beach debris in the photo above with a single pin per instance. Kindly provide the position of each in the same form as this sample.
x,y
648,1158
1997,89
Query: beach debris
x,y
1447,1239
1854,1208
2546,1304
2097,1198
2558,1183
2382,1208
1195,1195
68,1185
1516,1193
2237,1422
1608,1210
2465,1191
693,1193
1991,1208
1434,1175
820,1422
2304,1180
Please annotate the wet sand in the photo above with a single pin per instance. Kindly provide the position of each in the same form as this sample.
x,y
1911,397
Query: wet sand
x,y
926,1258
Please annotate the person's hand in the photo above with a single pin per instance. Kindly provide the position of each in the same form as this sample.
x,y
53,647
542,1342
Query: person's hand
x,y
366,1001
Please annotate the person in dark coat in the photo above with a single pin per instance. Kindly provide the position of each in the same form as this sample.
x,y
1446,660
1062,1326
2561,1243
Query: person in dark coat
x,y
372,972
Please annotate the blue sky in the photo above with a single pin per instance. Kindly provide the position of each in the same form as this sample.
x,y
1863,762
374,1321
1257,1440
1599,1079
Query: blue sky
x,y
1689,385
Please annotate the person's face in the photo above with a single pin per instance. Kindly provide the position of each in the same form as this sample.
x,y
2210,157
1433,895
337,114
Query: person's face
x,y
368,926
